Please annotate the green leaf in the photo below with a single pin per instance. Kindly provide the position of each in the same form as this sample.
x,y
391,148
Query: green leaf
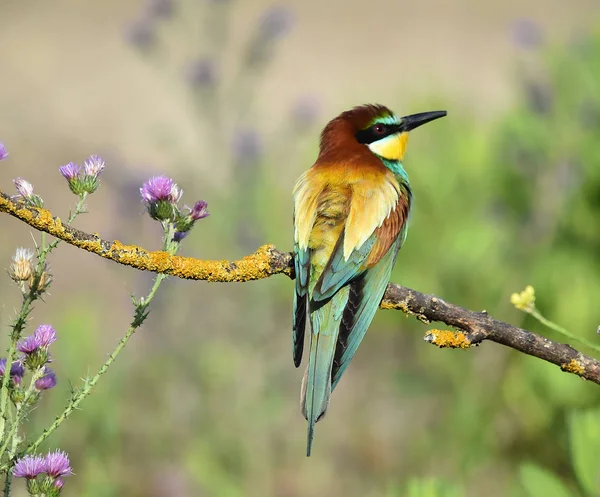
x,y
539,481
584,431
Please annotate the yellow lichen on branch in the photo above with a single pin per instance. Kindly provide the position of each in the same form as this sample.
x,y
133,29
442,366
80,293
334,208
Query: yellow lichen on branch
x,y
265,262
573,366
268,261
252,267
447,338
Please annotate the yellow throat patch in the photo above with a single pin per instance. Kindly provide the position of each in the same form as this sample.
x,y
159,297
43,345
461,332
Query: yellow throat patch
x,y
391,147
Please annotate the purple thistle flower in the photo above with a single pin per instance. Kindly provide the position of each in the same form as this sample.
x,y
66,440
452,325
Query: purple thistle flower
x,y
247,145
160,8
93,166
276,22
305,111
17,371
70,171
56,464
201,73
45,334
160,188
29,345
29,467
141,33
46,382
24,187
3,152
59,483
199,211
527,33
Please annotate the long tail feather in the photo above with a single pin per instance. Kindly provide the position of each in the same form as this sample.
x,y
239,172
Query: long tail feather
x,y
316,385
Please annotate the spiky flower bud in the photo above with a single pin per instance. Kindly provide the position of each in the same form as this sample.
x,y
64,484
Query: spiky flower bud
x,y
86,180
42,283
71,172
25,192
185,222
35,348
47,381
21,268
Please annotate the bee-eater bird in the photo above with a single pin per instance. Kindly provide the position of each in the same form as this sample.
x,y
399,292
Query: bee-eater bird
x,y
350,219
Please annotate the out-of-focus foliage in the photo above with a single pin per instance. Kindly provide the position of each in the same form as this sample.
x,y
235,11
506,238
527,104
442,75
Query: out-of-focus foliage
x,y
205,403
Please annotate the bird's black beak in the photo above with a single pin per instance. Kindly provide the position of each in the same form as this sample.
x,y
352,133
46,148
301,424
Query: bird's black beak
x,y
415,120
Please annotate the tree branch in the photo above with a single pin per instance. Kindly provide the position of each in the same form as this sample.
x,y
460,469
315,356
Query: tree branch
x,y
267,261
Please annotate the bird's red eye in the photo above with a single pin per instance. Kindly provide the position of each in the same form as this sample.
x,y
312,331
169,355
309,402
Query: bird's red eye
x,y
379,129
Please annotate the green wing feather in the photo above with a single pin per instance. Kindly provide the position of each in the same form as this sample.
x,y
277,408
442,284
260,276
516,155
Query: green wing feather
x,y
339,272
365,294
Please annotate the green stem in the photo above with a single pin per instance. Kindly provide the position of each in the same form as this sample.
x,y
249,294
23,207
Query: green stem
x,y
536,314
7,483
20,416
141,308
17,329
79,209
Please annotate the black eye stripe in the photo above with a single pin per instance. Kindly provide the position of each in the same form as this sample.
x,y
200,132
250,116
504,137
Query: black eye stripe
x,y
374,133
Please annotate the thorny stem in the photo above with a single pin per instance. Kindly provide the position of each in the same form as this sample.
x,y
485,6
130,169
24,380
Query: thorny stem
x,y
17,330
141,312
15,335
553,326
20,415
7,484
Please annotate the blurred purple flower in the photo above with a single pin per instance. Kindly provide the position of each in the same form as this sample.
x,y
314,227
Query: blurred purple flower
x,y
29,467
45,335
305,111
56,464
199,211
160,8
29,345
3,151
247,145
276,22
17,371
527,33
93,166
201,73
70,171
160,188
47,381
24,187
141,33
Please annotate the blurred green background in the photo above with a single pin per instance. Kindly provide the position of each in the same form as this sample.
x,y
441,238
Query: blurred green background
x,y
228,98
